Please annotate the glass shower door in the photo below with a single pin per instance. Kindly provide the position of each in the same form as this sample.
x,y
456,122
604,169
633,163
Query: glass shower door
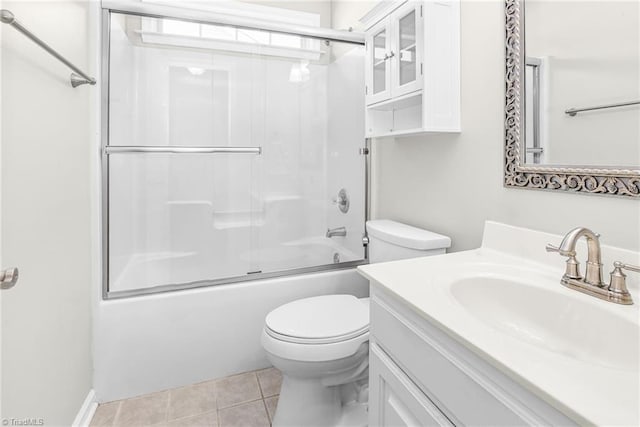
x,y
181,167
226,149
312,135
178,218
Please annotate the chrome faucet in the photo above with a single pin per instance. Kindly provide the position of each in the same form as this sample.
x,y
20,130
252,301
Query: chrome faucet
x,y
592,283
340,231
567,248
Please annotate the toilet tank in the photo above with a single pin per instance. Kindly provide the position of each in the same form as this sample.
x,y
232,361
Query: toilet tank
x,y
390,240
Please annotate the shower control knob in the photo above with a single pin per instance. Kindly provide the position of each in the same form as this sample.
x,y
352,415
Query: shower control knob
x,y
342,201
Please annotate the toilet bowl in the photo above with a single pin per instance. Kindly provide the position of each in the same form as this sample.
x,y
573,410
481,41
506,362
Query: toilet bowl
x,y
321,344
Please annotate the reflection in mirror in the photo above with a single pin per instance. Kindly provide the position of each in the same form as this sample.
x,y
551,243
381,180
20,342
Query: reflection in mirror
x,y
581,55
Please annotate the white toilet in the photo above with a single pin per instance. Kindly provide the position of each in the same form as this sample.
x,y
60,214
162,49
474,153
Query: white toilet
x,y
321,344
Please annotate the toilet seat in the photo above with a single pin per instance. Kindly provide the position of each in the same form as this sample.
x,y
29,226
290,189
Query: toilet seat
x,y
312,352
323,328
314,341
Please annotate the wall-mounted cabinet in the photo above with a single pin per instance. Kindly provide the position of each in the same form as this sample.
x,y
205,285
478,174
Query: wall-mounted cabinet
x,y
412,68
394,55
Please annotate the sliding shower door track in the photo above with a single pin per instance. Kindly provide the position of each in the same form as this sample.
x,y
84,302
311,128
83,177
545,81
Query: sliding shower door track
x,y
110,295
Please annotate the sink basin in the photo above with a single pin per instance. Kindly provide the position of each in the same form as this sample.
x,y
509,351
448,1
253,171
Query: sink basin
x,y
551,320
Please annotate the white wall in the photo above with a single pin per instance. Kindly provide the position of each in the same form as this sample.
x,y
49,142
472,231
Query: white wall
x,y
338,14
346,14
451,184
320,7
46,145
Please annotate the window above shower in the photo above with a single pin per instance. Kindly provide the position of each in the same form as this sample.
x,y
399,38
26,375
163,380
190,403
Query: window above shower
x,y
226,148
177,33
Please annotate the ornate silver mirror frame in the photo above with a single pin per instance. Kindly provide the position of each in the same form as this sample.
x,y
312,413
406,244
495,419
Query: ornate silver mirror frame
x,y
609,181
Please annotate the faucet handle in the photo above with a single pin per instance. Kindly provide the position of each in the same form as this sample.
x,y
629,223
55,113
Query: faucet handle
x,y
618,284
627,267
552,248
572,269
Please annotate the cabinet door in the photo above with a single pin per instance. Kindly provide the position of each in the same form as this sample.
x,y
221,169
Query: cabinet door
x,y
378,66
407,49
394,400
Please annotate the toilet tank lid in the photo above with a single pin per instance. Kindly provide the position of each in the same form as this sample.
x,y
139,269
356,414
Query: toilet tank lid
x,y
406,236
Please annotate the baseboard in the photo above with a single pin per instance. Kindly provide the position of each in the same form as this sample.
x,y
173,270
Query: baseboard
x,y
88,408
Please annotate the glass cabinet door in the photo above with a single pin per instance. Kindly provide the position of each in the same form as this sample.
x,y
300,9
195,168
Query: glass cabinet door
x,y
407,64
378,64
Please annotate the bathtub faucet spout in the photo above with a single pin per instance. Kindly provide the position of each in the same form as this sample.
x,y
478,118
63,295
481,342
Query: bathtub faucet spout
x,y
340,231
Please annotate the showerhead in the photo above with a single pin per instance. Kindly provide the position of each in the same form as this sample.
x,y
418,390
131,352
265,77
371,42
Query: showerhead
x,y
6,16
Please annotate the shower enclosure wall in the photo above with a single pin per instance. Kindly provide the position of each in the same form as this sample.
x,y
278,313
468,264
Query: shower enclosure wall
x,y
224,150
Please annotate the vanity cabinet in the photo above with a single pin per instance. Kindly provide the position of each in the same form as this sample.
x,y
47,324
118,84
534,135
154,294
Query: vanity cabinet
x,y
420,376
412,68
398,401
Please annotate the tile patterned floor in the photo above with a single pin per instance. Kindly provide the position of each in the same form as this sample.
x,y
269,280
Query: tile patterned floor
x,y
244,400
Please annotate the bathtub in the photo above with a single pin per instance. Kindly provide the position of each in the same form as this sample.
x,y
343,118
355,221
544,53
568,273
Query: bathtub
x,y
155,342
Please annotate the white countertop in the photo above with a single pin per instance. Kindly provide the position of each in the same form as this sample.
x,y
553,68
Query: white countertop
x,y
583,386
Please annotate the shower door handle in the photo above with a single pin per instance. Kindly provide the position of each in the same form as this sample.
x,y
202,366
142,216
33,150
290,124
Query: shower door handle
x,y
8,278
118,149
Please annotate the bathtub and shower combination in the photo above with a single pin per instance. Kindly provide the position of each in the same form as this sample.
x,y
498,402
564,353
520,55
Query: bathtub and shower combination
x,y
226,141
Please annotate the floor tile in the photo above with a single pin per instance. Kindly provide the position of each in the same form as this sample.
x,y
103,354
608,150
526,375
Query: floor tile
x,y
191,400
105,414
271,403
237,389
208,419
270,381
143,411
251,414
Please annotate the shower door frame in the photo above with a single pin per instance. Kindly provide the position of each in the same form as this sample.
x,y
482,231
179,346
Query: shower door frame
x,y
160,12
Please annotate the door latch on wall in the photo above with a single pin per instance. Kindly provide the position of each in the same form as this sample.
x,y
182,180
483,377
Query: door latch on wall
x,y
8,278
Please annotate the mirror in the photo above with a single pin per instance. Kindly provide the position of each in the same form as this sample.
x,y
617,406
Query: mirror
x,y
573,96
